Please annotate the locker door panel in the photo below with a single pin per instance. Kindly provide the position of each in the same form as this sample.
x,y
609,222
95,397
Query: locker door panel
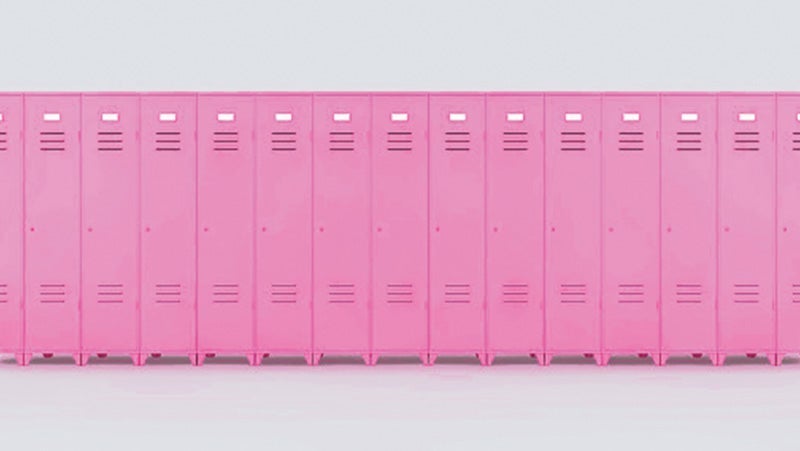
x,y
226,171
400,223
110,232
515,224
52,223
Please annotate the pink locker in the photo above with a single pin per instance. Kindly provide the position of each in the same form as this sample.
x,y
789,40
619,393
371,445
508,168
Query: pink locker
x,y
688,231
631,169
283,218
747,222
110,219
342,294
515,224
400,224
788,204
457,221
52,225
226,201
572,225
11,233
168,224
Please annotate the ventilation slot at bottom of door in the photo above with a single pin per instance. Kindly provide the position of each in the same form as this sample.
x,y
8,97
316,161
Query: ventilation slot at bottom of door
x,y
689,293
52,293
630,293
342,293
3,293
746,293
457,293
399,293
225,293
168,293
573,293
109,293
515,293
283,293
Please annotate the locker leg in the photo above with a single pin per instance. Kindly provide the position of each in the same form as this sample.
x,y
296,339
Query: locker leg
x,y
370,359
775,359
197,359
431,359
23,359
602,359
139,359
660,359
489,359
254,359
483,358
80,359
545,359
717,359
313,358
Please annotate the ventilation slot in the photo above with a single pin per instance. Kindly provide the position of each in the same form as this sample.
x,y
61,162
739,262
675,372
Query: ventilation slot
x,y
399,293
631,141
688,293
3,142
746,142
283,142
795,141
3,293
515,293
52,293
515,141
168,141
630,293
399,141
573,141
341,293
795,293
457,293
573,293
226,141
456,141
283,293
689,141
341,142
51,141
109,141
746,293
225,293
109,293
168,293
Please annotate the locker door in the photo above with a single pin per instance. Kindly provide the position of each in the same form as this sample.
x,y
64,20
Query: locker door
x,y
283,240
400,223
168,234
52,224
515,224
457,221
688,234
225,189
747,221
341,224
11,234
572,218
788,202
630,224
110,232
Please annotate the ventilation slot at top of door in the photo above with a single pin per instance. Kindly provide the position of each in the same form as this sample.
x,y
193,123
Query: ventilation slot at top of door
x,y
109,141
795,141
168,141
168,293
283,141
573,141
3,141
515,293
631,141
630,293
226,141
341,141
746,293
225,293
399,293
746,142
399,141
341,293
515,141
795,293
689,141
573,293
457,293
3,293
51,142
283,293
457,141
52,293
688,293
110,293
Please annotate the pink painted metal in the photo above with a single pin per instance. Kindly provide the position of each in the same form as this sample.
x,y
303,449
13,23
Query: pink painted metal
x,y
400,224
572,221
788,225
225,211
342,291
110,219
283,223
746,205
688,233
168,224
514,220
11,226
631,152
457,225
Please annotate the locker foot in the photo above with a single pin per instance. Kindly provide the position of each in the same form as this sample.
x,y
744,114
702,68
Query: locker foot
x,y
751,355
265,355
370,359
642,355
210,355
197,359
81,359
717,359
432,359
139,359
423,357
23,359
155,355
102,355
545,359
47,355
588,355
660,359
312,359
775,359
254,359
697,355
602,359
483,358
489,359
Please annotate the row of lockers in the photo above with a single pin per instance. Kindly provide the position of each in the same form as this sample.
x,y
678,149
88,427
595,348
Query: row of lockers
x,y
378,224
